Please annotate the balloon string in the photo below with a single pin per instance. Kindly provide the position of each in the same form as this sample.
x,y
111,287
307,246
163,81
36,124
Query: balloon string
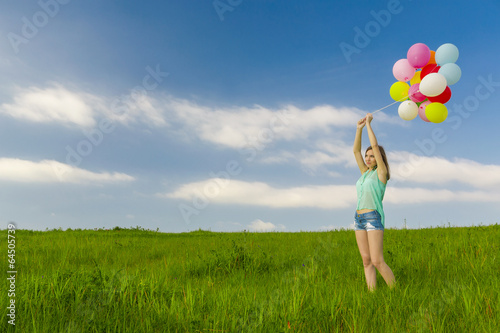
x,y
385,107
399,100
404,98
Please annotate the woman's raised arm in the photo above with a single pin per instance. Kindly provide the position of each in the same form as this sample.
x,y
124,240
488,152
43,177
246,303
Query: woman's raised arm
x,y
381,167
357,146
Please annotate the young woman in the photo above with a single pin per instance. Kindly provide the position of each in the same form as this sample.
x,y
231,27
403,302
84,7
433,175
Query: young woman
x,y
369,217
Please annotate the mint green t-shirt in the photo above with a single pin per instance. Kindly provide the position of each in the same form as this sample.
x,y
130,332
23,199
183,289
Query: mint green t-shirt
x,y
371,193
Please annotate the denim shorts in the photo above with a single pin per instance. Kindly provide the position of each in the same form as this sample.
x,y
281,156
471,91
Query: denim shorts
x,y
368,221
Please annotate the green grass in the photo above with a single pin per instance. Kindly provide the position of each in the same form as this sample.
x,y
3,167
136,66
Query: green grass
x,y
135,280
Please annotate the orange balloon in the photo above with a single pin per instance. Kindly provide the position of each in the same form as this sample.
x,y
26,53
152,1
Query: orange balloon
x,y
432,60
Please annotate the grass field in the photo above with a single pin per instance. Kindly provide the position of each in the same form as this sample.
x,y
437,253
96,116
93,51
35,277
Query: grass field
x,y
135,280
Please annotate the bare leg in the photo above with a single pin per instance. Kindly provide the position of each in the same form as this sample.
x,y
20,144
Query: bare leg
x,y
364,250
376,247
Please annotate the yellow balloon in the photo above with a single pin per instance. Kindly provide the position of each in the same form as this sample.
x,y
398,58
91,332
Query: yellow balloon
x,y
436,112
399,91
416,78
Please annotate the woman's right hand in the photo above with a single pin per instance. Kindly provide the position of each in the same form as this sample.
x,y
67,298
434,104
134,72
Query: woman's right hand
x,y
361,123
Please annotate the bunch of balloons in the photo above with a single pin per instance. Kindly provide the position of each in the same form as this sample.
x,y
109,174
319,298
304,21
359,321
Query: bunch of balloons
x,y
430,74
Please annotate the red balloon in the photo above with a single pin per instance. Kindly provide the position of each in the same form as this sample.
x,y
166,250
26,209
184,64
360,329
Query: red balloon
x,y
430,68
443,97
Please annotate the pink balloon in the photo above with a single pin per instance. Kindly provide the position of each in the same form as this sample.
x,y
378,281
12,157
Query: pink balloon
x,y
402,70
421,111
415,94
418,55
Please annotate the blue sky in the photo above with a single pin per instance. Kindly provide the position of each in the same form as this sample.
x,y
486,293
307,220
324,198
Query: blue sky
x,y
238,115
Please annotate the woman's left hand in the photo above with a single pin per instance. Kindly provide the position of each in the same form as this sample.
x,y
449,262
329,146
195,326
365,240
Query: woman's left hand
x,y
369,117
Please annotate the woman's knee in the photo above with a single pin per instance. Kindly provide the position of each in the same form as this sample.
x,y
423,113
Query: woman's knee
x,y
367,261
378,262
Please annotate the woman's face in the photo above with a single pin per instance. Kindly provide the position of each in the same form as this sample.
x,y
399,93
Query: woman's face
x,y
370,159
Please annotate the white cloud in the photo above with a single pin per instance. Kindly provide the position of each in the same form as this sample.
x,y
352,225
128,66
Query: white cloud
x,y
58,104
329,153
261,194
319,159
411,195
239,127
235,127
340,151
235,192
279,158
408,167
134,108
52,104
314,159
334,174
261,226
50,171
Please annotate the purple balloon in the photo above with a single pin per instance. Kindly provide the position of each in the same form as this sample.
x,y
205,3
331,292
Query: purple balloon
x,y
402,70
418,55
415,94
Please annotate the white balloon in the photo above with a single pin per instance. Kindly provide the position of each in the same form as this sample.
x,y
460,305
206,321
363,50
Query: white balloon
x,y
433,84
408,110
